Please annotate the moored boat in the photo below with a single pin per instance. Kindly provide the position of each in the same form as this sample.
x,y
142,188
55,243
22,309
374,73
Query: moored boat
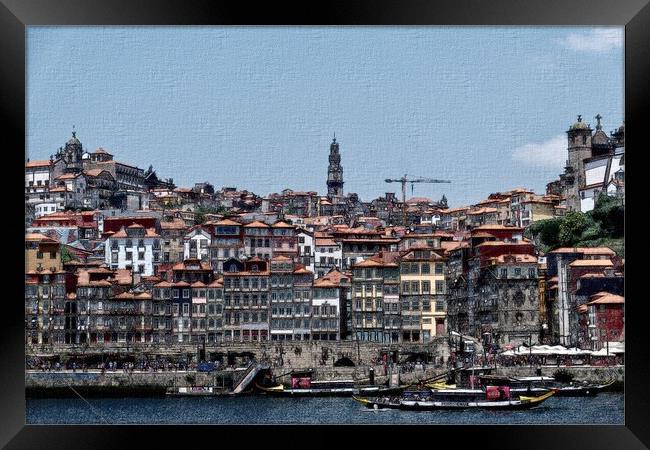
x,y
344,388
192,391
531,385
429,403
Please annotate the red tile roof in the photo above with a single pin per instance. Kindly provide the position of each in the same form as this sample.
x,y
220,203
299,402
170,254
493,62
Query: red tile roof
x,y
257,224
591,263
585,250
606,298
41,163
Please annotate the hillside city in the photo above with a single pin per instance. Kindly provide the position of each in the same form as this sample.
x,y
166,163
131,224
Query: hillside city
x,y
117,256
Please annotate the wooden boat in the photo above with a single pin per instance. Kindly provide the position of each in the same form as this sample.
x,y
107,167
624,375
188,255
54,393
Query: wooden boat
x,y
531,385
345,388
585,390
430,403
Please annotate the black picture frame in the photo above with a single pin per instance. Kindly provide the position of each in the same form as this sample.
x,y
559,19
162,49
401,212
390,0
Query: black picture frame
x,y
15,15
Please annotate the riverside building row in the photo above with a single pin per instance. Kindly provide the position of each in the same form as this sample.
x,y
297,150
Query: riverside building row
x,y
155,263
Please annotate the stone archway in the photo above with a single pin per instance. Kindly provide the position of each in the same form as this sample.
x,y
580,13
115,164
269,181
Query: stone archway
x,y
344,362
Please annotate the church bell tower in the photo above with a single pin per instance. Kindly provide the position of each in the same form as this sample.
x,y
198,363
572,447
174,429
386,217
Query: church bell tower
x,y
334,172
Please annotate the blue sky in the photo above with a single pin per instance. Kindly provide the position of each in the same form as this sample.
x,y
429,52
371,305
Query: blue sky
x,y
256,107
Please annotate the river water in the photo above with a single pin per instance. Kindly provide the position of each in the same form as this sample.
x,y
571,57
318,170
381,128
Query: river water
x,y
605,408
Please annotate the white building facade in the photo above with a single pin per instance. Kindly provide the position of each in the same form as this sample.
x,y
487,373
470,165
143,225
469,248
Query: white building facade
x,y
133,248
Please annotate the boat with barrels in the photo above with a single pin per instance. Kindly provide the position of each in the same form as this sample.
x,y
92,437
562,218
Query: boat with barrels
x,y
493,398
303,385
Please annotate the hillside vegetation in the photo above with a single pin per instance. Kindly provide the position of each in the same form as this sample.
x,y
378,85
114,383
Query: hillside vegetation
x,y
602,227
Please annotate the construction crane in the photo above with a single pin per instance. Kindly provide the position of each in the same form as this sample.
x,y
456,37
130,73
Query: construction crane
x,y
405,180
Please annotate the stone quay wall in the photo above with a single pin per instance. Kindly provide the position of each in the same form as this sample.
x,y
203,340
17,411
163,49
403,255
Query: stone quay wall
x,y
287,354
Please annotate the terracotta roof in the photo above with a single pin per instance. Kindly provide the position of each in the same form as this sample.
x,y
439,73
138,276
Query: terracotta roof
x,y
453,210
498,227
449,246
67,176
202,265
101,151
302,270
198,284
123,276
591,263
95,172
176,224
39,238
181,284
255,259
227,222
481,211
585,250
334,277
499,243
282,224
607,299
100,270
216,283
280,258
325,241
163,284
482,234
257,224
419,200
518,258
41,163
583,309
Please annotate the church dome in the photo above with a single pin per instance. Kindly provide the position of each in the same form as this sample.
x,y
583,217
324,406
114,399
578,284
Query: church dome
x,y
73,141
579,125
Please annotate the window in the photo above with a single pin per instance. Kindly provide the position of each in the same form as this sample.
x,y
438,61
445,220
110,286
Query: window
x,y
504,273
439,268
405,287
186,309
440,287
426,268
39,255
426,286
415,287
440,305
518,271
186,293
175,309
532,272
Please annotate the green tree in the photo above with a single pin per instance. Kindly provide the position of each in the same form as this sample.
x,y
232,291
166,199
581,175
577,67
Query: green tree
x,y
572,227
66,255
545,233
610,213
